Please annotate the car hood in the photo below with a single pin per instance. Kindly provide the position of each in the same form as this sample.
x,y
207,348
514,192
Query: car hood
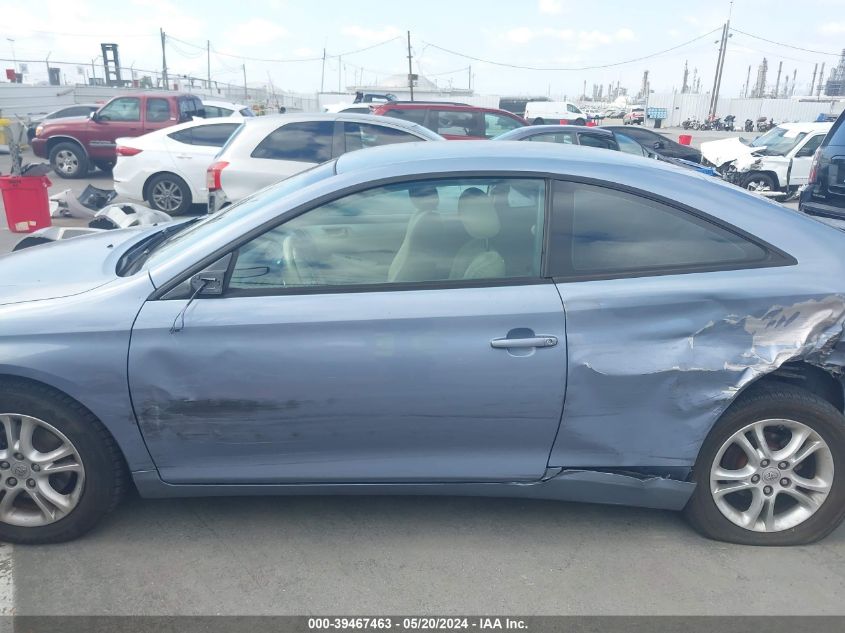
x,y
729,149
63,268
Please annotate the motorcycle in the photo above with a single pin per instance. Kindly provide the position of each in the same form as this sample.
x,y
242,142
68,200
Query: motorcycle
x,y
749,125
763,125
728,124
687,124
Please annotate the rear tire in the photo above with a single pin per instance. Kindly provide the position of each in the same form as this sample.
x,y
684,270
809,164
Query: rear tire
x,y
69,160
94,490
580,122
104,165
766,407
169,193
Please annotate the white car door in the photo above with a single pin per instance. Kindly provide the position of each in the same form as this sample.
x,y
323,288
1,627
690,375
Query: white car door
x,y
802,159
289,149
193,150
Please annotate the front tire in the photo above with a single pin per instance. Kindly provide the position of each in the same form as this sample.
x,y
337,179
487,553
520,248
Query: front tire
x,y
772,470
69,160
538,121
61,470
758,181
169,193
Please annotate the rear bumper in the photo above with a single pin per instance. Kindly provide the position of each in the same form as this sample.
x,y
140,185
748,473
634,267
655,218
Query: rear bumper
x,y
811,206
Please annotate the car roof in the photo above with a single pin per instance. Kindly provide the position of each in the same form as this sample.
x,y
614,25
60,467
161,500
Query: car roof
x,y
215,102
807,127
274,120
410,158
441,105
531,130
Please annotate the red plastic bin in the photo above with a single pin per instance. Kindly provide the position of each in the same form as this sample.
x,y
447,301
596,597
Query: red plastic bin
x,y
27,202
685,139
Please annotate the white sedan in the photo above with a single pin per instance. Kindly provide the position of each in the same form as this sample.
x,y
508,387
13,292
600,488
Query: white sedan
x,y
167,168
216,109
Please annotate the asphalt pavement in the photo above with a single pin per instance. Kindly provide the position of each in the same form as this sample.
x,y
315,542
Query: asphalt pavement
x,y
387,555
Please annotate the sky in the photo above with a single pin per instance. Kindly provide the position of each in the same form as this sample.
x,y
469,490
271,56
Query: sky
x,y
560,37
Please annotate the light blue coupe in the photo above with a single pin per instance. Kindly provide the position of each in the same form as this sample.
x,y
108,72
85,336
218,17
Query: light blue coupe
x,y
474,318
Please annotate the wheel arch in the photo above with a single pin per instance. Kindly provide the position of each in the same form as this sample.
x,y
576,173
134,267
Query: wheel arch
x,y
805,376
55,140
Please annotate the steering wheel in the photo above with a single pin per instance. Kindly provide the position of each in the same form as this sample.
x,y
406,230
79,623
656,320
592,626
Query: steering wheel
x,y
301,257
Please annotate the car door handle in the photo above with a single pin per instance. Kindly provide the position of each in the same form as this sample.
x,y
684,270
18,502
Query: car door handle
x,y
516,343
183,156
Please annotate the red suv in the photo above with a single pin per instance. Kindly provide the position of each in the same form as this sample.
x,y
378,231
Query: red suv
x,y
454,121
73,145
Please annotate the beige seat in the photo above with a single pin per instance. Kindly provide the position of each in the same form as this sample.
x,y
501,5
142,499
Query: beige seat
x,y
476,259
414,259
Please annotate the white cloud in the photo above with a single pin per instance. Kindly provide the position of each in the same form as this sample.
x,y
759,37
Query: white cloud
x,y
371,36
256,32
520,35
304,52
591,39
550,6
561,34
832,28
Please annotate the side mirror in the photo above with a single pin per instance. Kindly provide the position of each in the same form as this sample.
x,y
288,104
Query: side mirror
x,y
659,145
94,116
201,113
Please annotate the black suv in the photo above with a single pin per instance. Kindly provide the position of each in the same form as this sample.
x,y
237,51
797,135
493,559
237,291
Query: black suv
x,y
824,194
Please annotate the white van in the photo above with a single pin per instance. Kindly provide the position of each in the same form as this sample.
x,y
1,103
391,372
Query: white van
x,y
556,112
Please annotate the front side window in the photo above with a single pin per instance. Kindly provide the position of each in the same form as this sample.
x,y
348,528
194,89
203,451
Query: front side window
x,y
567,138
304,142
573,109
122,109
456,123
603,232
595,140
629,145
495,124
363,135
426,231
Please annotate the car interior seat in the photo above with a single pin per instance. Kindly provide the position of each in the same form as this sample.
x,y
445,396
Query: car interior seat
x,y
477,259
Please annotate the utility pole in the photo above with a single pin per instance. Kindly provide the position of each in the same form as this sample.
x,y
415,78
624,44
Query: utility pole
x,y
246,90
323,72
469,78
410,68
339,65
821,81
717,80
747,81
776,93
813,80
164,79
208,62
794,77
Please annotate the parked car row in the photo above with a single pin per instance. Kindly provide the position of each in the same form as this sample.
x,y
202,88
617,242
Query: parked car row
x,y
78,138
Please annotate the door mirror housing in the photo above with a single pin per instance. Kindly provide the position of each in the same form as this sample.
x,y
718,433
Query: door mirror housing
x,y
94,116
659,145
210,282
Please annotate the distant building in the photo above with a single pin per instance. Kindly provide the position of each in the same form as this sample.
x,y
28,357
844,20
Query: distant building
x,y
835,86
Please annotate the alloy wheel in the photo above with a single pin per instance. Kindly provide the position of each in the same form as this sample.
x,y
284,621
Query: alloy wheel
x,y
67,162
771,475
41,472
167,195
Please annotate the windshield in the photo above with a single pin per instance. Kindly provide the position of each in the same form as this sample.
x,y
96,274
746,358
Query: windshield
x,y
226,216
778,141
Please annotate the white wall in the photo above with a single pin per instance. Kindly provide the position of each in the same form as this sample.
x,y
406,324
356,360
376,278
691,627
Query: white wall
x,y
683,106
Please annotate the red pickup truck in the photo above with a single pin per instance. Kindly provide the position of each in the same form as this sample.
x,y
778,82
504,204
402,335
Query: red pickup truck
x,y
73,145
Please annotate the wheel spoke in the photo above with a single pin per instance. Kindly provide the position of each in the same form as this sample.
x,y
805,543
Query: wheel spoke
x,y
769,513
46,510
53,456
8,502
24,443
762,443
723,474
808,449
752,514
70,467
808,502
60,501
816,484
799,436
726,489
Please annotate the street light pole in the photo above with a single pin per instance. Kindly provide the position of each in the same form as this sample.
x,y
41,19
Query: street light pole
x,y
14,59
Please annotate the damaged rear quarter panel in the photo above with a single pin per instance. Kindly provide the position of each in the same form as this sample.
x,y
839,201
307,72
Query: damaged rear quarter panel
x,y
655,361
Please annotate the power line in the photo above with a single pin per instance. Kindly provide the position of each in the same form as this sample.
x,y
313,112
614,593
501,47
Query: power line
x,y
598,66
290,60
797,48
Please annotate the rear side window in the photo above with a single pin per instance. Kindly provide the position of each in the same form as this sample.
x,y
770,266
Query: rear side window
x,y
414,115
458,123
207,135
602,232
305,142
214,112
567,138
629,146
363,135
246,112
158,110
596,140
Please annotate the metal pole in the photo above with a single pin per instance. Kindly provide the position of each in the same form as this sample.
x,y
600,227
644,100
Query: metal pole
x,y
164,78
339,65
776,93
410,68
717,81
747,81
813,80
821,80
323,72
246,90
208,63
